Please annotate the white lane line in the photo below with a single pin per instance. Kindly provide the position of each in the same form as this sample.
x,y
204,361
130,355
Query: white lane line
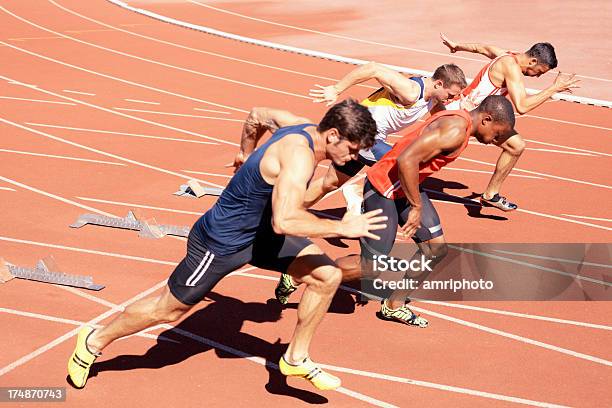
x,y
56,197
537,149
494,331
516,314
35,38
77,323
78,92
446,55
61,339
568,147
565,121
588,218
61,157
172,139
208,174
178,114
148,166
183,69
37,100
528,255
7,189
531,265
213,111
97,200
450,388
439,315
125,115
200,50
125,81
541,174
139,101
489,173
474,202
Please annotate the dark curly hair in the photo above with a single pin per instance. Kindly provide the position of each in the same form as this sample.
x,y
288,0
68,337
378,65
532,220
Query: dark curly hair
x,y
352,120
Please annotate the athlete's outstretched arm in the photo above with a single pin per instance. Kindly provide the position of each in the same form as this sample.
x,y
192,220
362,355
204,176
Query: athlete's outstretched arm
x,y
518,95
289,217
487,50
443,135
406,90
259,121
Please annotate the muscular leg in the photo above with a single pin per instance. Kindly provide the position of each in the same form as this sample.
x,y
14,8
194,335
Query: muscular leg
x,y
321,277
513,147
434,249
145,313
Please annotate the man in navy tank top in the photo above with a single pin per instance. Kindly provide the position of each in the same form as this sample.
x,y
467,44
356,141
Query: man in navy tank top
x,y
260,219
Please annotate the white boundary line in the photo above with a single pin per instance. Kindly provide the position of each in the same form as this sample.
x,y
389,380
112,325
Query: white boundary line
x,y
148,166
202,51
145,102
542,174
124,54
553,259
317,54
125,81
36,100
97,200
178,114
77,323
122,133
566,121
53,156
474,202
7,189
78,92
362,40
588,218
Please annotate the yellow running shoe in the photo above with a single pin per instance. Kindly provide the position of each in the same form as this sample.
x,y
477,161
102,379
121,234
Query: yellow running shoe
x,y
308,370
402,314
81,359
284,288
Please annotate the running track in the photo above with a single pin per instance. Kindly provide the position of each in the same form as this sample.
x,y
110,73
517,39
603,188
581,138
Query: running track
x,y
145,105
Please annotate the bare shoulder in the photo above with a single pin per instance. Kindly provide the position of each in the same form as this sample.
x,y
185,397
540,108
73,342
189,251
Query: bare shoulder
x,y
451,130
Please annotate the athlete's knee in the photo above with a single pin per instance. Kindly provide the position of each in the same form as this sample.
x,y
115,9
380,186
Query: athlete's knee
x,y
331,182
515,145
169,309
327,277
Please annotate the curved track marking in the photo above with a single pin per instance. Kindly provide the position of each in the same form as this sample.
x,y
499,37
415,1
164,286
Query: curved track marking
x,y
214,54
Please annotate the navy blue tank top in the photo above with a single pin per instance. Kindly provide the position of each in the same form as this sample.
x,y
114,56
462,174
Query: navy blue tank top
x,y
245,204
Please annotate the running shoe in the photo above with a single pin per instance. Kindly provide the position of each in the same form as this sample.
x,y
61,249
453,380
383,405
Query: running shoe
x,y
499,202
402,314
284,289
81,359
310,371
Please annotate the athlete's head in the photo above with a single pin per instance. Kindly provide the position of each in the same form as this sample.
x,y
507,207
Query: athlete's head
x,y
448,81
348,127
542,58
494,120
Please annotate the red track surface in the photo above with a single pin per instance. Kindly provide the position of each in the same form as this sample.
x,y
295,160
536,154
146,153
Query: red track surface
x,y
57,50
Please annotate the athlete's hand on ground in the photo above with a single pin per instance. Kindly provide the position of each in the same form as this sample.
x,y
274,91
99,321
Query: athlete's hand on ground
x,y
412,223
361,225
328,94
239,160
452,46
565,83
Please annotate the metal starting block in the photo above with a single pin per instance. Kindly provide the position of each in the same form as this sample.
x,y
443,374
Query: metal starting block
x,y
193,189
146,228
42,272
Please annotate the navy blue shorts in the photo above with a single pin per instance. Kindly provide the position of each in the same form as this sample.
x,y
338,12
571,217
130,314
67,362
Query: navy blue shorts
x,y
202,269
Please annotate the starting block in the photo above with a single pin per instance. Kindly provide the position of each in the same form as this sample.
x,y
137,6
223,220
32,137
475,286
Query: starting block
x,y
146,228
46,271
193,189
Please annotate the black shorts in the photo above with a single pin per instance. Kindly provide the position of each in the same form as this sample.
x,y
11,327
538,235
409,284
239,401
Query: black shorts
x,y
201,269
397,211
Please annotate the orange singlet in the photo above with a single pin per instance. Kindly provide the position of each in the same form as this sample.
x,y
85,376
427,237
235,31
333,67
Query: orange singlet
x,y
384,175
